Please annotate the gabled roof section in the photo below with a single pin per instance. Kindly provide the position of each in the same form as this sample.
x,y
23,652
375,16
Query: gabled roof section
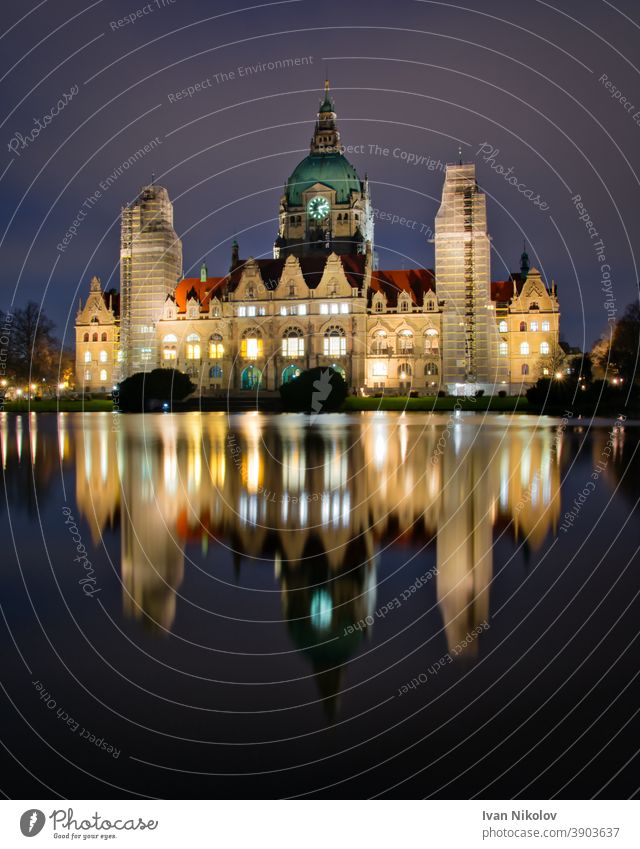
x,y
416,282
201,290
312,268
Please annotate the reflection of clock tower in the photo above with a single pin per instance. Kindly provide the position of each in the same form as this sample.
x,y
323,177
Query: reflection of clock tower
x,y
325,207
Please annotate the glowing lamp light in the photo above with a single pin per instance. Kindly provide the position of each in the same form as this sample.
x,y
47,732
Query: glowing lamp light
x,y
61,386
559,375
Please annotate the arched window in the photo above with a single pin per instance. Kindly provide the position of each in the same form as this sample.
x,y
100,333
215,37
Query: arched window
x,y
293,342
545,326
85,338
378,307
380,344
523,326
533,326
290,373
193,346
525,368
405,342
250,377
544,348
404,370
251,346
103,375
87,356
334,342
216,347
430,369
103,357
431,341
503,349
524,349
502,326
404,305
103,338
94,338
215,371
170,347
87,375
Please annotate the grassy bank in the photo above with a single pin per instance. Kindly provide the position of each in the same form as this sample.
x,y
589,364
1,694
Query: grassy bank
x,y
432,403
53,405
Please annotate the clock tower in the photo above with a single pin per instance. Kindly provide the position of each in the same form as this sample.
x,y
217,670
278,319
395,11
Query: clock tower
x,y
325,207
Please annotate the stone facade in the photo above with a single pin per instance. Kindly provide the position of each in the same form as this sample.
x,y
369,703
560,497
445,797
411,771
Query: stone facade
x,y
322,302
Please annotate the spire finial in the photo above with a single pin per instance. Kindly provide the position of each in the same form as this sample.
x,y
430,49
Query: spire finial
x,y
153,178
460,154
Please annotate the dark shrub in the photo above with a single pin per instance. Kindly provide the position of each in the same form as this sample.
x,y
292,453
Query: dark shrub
x,y
479,393
442,393
413,393
318,390
150,390
502,393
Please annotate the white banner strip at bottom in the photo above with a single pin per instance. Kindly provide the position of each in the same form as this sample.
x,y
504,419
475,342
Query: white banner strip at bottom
x,y
321,824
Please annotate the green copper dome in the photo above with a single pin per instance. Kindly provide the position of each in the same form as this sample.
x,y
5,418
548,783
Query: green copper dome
x,y
331,169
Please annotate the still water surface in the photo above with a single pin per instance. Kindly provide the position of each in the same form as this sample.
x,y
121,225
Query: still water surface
x,y
413,605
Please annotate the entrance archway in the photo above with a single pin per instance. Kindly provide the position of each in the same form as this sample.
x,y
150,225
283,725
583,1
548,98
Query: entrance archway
x,y
250,378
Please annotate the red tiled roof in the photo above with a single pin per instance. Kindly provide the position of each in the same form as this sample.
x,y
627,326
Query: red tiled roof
x,y
203,291
415,281
502,290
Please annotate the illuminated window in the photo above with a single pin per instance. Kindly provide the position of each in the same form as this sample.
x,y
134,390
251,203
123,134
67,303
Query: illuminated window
x,y
380,368
334,342
405,342
430,369
87,356
215,371
502,326
145,354
302,309
533,326
545,371
544,347
545,326
169,347
251,347
431,341
87,375
378,307
344,308
103,375
216,348
380,344
404,370
293,343
103,357
404,305
334,309
251,311
242,311
324,309
193,346
504,349
524,348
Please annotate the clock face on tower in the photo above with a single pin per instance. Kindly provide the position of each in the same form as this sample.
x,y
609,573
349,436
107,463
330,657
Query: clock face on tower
x,y
318,208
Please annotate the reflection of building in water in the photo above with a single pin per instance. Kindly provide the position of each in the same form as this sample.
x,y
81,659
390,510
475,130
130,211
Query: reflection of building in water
x,y
320,501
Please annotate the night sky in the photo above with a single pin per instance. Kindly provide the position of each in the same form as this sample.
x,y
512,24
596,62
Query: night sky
x,y
549,90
